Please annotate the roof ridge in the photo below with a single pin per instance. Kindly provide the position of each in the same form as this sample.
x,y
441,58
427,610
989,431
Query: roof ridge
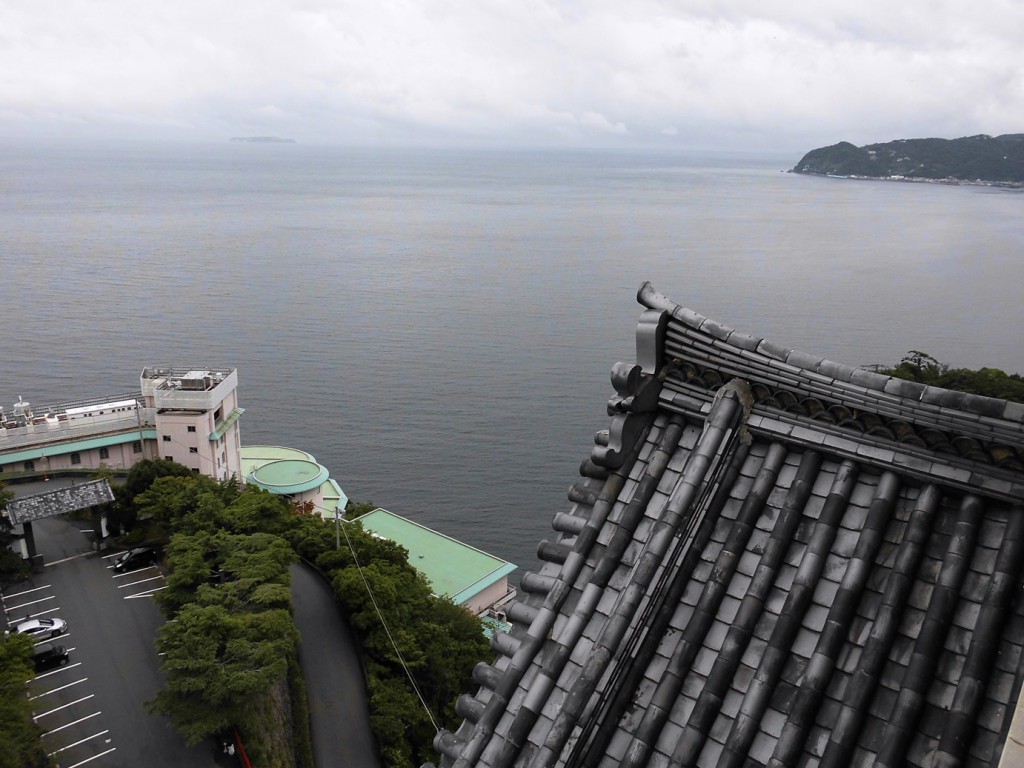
x,y
982,405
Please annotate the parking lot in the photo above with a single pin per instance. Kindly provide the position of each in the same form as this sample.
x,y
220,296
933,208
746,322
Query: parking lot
x,y
62,702
93,707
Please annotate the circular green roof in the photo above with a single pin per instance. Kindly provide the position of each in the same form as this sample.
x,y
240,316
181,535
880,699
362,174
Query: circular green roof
x,y
289,476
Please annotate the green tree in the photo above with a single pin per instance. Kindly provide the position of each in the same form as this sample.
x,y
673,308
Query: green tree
x,y
13,568
990,382
396,717
240,572
404,631
217,662
186,504
19,735
123,513
258,511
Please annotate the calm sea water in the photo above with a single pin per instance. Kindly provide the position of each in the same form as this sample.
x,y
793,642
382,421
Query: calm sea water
x,y
437,327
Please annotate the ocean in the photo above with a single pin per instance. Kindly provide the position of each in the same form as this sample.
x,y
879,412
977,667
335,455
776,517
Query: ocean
x,y
437,326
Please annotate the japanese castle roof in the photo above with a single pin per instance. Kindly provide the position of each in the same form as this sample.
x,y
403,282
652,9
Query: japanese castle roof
x,y
771,559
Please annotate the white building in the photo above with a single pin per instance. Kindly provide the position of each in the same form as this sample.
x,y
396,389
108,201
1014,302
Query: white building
x,y
187,415
196,415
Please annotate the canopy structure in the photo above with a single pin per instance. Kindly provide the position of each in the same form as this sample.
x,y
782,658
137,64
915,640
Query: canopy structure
x,y
73,498
23,510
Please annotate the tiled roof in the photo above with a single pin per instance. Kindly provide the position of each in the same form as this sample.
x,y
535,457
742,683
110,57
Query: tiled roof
x,y
771,560
92,493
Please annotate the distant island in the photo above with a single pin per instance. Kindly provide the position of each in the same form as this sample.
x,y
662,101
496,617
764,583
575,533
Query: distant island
x,y
263,139
995,160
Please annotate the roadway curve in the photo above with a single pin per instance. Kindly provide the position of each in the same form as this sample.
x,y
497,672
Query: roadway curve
x,y
331,664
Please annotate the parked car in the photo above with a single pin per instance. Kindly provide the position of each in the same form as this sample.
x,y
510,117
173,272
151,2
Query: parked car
x,y
136,558
49,655
40,627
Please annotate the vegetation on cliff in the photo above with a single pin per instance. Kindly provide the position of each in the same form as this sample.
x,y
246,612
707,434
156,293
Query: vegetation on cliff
x,y
991,382
230,654
986,159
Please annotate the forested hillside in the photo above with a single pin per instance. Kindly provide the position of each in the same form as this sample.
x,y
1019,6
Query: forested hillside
x,y
986,159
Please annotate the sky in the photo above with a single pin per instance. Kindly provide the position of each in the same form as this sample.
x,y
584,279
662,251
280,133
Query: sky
x,y
728,74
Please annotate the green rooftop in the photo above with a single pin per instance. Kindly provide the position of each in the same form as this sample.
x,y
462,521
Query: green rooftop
x,y
288,471
454,569
85,444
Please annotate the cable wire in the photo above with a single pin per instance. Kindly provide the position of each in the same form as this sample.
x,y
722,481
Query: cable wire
x,y
384,623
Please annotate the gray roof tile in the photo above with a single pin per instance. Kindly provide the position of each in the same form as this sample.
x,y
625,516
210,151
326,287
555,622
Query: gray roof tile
x,y
897,584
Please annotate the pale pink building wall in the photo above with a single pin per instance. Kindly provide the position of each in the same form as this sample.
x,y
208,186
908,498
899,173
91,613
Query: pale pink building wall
x,y
483,600
117,457
177,442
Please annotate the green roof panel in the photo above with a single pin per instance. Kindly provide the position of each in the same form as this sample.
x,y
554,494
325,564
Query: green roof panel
x,y
454,569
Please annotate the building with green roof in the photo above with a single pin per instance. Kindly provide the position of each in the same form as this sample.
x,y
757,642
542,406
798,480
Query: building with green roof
x,y
469,576
295,474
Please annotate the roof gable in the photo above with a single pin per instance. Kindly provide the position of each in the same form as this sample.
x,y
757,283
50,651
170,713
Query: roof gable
x,y
771,559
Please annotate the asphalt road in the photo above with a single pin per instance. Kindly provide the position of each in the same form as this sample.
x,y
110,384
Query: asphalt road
x,y
94,708
330,657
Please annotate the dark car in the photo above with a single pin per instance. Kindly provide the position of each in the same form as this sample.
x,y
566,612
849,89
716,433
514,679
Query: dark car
x,y
49,655
136,558
40,627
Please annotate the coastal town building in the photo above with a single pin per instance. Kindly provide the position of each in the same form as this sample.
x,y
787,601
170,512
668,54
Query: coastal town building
x,y
187,415
771,559
296,475
470,577
191,416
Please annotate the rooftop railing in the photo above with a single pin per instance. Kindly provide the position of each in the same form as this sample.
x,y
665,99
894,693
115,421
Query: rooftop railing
x,y
76,429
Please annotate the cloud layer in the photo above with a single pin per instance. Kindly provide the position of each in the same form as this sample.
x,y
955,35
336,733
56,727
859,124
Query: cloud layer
x,y
741,73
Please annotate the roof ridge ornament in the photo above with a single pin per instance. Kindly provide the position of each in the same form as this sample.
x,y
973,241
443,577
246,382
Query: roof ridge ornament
x,y
742,390
631,410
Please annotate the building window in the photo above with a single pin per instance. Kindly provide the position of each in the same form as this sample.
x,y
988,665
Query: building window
x,y
191,428
76,458
166,438
104,453
169,458
216,416
193,449
137,447
30,466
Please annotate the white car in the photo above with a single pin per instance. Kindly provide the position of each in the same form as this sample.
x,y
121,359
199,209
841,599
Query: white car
x,y
40,627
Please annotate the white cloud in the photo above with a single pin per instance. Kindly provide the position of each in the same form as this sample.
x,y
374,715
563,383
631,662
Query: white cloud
x,y
570,70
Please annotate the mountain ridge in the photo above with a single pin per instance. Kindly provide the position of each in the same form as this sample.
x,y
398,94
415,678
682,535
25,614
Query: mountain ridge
x,y
980,159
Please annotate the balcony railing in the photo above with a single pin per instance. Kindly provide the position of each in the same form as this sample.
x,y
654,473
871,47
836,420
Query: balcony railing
x,y
77,429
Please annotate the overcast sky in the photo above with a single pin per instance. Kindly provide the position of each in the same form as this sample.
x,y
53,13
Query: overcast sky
x,y
763,74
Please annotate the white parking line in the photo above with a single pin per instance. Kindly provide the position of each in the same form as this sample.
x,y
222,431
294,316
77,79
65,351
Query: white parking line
x,y
90,759
73,722
135,571
25,592
55,671
13,608
55,690
148,593
51,639
63,706
140,581
66,559
80,741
